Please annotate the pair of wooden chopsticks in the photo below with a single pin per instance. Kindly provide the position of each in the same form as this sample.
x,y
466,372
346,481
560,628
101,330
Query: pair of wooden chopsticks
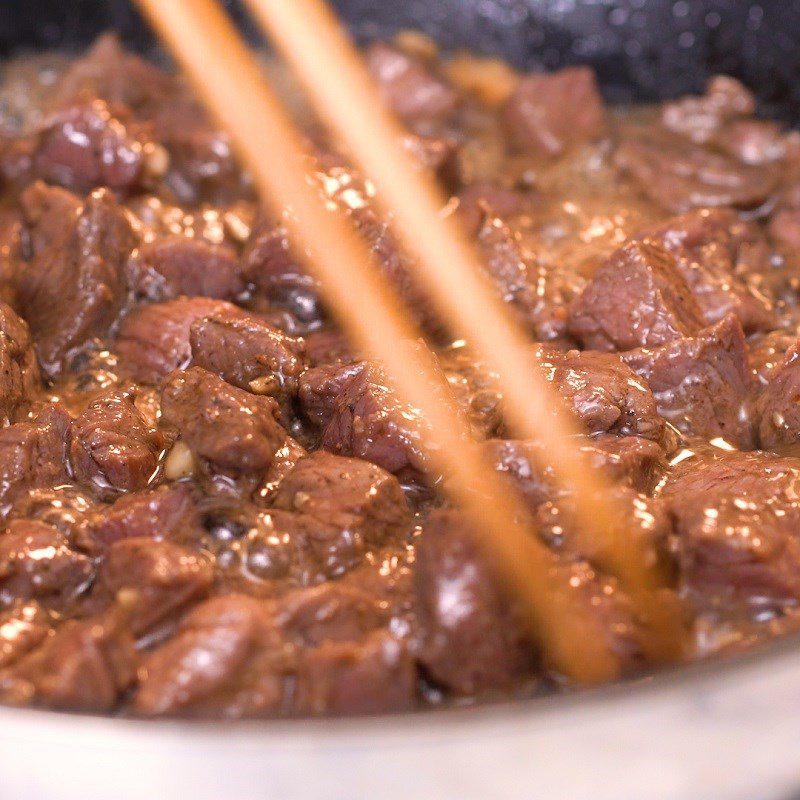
x,y
234,89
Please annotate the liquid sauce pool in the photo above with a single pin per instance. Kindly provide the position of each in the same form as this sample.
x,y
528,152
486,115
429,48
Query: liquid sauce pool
x,y
213,507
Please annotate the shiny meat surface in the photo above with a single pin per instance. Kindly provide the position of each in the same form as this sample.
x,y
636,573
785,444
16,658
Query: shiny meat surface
x,y
213,506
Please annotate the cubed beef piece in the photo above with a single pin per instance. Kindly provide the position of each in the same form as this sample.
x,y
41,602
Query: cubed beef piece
x,y
19,372
722,259
638,298
733,552
626,460
227,659
328,347
49,215
347,506
678,174
361,415
472,641
409,85
603,393
548,114
164,513
330,612
23,626
700,118
784,228
111,447
160,578
489,199
171,266
376,675
32,454
85,666
153,340
86,145
768,352
232,431
74,289
701,383
285,460
777,407
250,354
37,562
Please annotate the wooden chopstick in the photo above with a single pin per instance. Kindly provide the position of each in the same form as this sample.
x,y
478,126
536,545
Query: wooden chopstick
x,y
319,51
234,89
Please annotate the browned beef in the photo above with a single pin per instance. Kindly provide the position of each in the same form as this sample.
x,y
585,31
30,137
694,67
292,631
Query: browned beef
x,y
638,298
410,86
227,659
153,340
23,626
19,372
37,562
160,578
777,407
701,383
74,289
548,114
768,352
111,447
85,666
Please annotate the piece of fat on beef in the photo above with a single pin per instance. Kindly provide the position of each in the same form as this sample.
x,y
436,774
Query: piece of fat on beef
x,y
160,579
722,259
37,562
547,114
251,354
23,626
111,448
627,461
175,265
637,298
19,370
153,340
85,666
227,658
73,290
776,409
702,383
678,174
231,431
410,86
33,454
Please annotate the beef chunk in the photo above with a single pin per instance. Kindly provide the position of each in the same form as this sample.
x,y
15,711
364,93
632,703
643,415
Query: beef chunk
x,y
701,383
250,354
753,141
488,199
331,612
175,265
328,347
410,86
638,298
74,289
47,213
85,666
19,372
768,352
23,626
341,508
231,431
153,340
111,447
32,454
548,114
374,676
777,407
360,415
626,460
226,659
733,551
605,394
37,562
160,577
164,513
720,258
679,175
85,146
472,641
700,118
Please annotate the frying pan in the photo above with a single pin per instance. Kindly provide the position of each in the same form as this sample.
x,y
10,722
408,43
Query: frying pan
x,y
725,730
